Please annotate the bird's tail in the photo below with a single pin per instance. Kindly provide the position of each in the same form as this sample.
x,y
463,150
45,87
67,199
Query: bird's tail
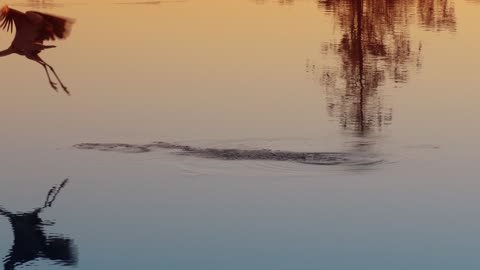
x,y
49,46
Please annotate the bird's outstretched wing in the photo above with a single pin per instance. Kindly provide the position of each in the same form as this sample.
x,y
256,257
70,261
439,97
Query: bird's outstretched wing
x,y
52,27
6,19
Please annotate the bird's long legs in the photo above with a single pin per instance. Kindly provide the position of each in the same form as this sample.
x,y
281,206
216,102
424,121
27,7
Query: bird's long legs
x,y
58,79
52,84
53,192
4,212
39,60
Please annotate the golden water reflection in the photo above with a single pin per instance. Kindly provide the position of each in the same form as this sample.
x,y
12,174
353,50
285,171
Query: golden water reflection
x,y
203,70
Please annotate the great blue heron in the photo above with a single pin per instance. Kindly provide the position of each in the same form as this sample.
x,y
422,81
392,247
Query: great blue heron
x,y
32,29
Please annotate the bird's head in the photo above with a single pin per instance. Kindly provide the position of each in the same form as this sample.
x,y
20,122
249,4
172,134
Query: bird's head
x,y
4,10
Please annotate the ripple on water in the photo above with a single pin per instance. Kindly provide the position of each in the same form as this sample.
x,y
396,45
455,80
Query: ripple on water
x,y
114,147
267,158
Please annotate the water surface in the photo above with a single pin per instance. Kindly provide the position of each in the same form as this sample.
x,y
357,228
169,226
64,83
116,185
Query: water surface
x,y
394,81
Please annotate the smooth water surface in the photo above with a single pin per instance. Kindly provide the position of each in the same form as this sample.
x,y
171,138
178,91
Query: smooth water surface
x,y
394,82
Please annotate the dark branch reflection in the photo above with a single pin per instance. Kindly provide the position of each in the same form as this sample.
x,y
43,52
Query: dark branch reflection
x,y
437,14
30,240
374,49
47,4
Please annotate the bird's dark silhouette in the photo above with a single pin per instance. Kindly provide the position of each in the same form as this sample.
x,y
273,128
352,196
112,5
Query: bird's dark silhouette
x,y
32,29
31,242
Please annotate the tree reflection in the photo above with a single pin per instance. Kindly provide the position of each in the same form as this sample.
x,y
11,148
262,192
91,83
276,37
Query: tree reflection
x,y
280,2
42,4
375,49
437,15
31,242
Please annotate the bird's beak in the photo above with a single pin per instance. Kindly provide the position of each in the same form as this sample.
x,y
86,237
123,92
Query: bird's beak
x,y
4,10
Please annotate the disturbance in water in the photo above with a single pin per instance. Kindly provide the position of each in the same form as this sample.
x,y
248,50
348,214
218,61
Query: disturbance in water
x,y
317,158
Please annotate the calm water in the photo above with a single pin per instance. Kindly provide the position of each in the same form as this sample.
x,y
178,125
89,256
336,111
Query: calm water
x,y
391,81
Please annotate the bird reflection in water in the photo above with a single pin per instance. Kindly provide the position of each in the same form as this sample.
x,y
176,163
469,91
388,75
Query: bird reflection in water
x,y
32,29
30,241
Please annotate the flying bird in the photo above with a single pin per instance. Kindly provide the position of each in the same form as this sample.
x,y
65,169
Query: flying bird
x,y
32,29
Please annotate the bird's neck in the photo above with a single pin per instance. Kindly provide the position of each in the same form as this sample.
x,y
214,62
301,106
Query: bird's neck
x,y
6,52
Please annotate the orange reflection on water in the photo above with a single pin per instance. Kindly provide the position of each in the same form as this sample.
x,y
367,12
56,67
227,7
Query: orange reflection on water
x,y
234,68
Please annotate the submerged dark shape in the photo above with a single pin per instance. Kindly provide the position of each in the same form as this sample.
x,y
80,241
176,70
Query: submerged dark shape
x,y
318,158
32,29
31,242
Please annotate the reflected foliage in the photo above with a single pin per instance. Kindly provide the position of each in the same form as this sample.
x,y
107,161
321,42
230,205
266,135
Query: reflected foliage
x,y
437,14
152,2
30,240
374,49
40,4
280,2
